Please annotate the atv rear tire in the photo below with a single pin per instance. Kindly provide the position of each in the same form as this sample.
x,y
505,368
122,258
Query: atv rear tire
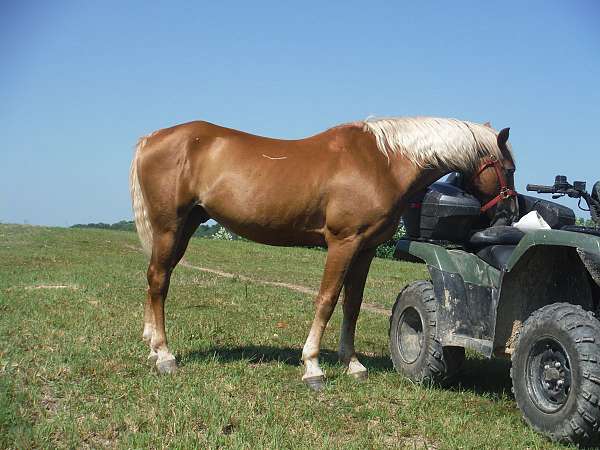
x,y
415,348
556,373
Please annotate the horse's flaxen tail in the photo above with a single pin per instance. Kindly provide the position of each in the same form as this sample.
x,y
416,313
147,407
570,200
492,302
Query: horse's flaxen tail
x,y
142,221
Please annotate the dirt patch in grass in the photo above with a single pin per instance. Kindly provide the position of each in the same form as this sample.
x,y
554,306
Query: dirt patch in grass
x,y
72,287
366,306
290,286
53,286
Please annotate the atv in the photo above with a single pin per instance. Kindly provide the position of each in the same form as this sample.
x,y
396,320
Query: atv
x,y
532,297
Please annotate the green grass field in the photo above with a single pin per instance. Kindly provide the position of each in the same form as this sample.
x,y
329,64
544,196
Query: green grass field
x,y
73,372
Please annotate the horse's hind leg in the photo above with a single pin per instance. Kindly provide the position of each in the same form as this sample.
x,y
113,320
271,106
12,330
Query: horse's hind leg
x,y
159,277
168,249
194,219
354,286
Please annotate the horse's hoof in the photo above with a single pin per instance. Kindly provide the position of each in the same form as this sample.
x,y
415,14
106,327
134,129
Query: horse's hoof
x,y
361,376
167,366
316,383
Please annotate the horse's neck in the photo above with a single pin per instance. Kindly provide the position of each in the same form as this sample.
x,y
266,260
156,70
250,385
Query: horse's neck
x,y
411,178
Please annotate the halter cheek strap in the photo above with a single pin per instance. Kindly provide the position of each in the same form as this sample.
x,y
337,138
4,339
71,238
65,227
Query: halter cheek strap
x,y
505,191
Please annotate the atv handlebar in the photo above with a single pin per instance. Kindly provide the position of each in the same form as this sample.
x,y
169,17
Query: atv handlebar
x,y
561,187
576,190
540,188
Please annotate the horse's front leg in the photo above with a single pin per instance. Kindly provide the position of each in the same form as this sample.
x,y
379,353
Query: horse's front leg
x,y
354,286
339,258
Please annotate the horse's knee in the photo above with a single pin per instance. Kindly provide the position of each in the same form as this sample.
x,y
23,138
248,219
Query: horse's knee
x,y
157,280
151,275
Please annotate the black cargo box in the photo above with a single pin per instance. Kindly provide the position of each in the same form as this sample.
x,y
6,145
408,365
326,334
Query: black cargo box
x,y
443,212
555,215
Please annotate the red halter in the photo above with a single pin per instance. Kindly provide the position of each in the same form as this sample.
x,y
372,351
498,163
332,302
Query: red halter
x,y
505,191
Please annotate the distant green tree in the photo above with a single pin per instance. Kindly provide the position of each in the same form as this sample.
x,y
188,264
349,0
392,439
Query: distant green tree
x,y
386,250
203,231
123,225
585,222
206,230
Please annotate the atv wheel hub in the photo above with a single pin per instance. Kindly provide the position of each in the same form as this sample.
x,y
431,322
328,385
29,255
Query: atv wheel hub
x,y
548,375
410,338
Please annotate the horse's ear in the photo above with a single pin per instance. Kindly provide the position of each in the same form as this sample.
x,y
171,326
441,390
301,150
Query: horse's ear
x,y
503,137
487,124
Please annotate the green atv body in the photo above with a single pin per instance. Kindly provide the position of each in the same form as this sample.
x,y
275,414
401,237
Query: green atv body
x,y
479,304
532,297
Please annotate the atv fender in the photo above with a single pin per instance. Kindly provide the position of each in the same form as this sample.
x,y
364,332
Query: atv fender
x,y
547,266
466,289
586,243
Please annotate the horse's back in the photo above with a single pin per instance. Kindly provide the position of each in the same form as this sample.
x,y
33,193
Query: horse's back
x,y
284,188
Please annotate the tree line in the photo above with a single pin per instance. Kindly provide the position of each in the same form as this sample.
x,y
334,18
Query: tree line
x,y
129,225
216,231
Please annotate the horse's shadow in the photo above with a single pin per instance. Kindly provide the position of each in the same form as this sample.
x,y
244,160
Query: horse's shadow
x,y
480,376
291,356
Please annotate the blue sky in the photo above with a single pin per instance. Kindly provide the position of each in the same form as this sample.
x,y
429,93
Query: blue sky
x,y
80,81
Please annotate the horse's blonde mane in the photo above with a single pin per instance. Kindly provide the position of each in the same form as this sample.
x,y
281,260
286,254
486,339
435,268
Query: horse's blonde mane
x,y
450,144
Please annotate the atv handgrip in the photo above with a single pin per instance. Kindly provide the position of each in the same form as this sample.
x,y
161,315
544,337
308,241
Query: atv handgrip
x,y
541,188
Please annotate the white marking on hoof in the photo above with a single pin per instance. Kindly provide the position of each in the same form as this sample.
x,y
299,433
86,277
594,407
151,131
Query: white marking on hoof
x,y
355,367
312,369
359,376
356,370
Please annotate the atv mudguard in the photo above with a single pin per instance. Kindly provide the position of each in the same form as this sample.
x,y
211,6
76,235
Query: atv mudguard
x,y
480,306
466,288
583,242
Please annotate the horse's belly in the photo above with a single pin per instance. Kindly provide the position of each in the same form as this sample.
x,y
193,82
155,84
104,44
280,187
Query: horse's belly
x,y
267,216
272,232
277,236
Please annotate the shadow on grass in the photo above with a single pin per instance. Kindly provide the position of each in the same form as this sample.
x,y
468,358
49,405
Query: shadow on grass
x,y
481,376
489,377
286,355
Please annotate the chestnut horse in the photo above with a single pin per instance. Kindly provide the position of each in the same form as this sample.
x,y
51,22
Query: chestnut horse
x,y
345,189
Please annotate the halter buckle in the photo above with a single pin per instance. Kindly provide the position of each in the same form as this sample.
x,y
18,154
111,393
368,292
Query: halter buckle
x,y
505,193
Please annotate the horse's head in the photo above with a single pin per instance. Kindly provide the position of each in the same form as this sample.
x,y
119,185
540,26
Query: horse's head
x,y
493,184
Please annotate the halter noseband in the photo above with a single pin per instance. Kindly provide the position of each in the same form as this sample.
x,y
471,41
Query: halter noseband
x,y
505,191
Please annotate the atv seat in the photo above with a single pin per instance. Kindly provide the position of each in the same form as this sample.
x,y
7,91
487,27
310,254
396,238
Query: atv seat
x,y
495,244
500,235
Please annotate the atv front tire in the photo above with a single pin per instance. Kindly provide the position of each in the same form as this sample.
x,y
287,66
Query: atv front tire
x,y
556,373
414,346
